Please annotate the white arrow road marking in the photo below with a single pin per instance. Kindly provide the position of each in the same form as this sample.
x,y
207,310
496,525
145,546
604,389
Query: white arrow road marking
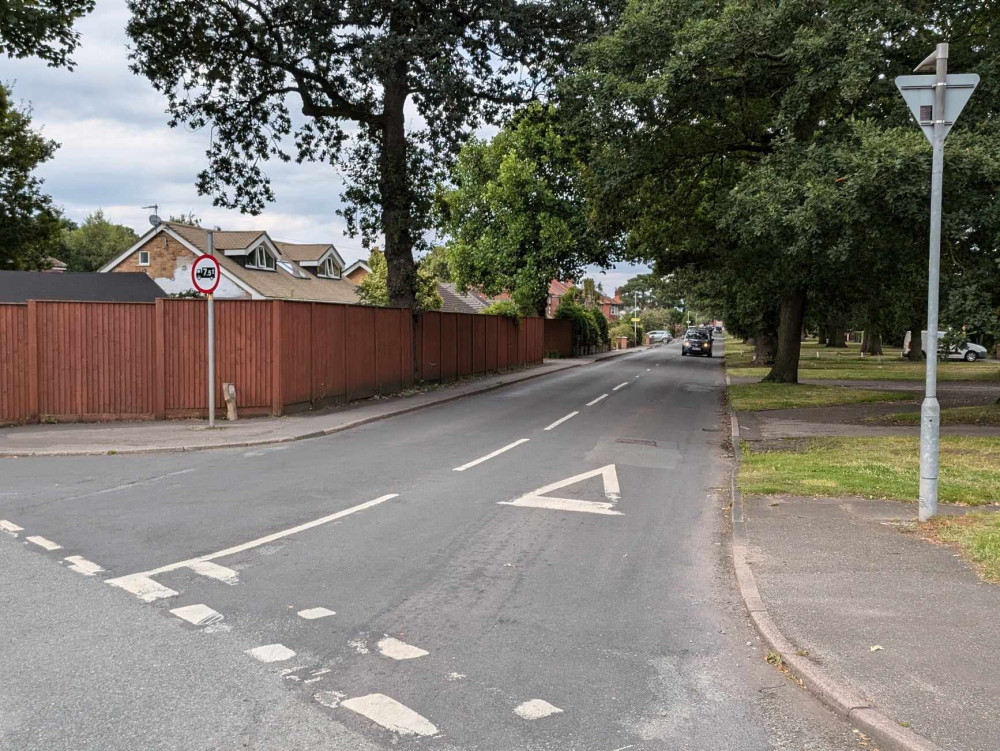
x,y
10,527
561,420
620,386
142,587
399,650
536,709
82,566
595,401
271,653
313,613
199,615
612,491
43,543
489,456
390,714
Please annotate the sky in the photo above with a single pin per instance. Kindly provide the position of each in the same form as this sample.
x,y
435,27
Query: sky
x,y
117,152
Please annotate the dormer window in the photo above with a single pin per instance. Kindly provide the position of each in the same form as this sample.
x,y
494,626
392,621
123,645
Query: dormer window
x,y
328,269
260,259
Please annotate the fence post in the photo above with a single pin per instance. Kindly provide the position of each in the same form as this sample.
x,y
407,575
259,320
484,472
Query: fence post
x,y
160,363
312,357
277,397
33,408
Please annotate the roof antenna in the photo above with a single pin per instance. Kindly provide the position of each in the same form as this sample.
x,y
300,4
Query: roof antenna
x,y
154,218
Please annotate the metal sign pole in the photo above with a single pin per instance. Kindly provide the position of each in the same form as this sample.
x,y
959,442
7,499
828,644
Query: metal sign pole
x,y
211,342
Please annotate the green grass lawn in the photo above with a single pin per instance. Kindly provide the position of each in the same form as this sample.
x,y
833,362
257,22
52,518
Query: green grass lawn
x,y
977,536
747,397
988,414
886,467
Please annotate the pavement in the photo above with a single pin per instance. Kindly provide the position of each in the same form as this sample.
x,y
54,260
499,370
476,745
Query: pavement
x,y
540,566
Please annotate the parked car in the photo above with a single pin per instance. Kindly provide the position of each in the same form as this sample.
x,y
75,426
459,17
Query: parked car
x,y
969,352
697,342
659,337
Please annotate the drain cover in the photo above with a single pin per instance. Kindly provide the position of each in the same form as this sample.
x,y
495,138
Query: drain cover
x,y
640,441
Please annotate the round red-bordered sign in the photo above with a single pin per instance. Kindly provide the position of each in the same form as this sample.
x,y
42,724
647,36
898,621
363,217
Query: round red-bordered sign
x,y
205,274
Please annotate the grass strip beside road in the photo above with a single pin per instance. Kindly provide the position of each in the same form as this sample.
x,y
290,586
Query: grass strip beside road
x,y
751,397
988,414
977,536
884,468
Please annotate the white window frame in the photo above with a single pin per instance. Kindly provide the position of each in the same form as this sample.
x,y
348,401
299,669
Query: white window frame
x,y
141,254
328,269
261,259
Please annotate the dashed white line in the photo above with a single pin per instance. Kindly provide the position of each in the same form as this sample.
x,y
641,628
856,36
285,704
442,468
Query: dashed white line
x,y
271,653
142,587
43,543
595,401
620,386
199,615
390,714
561,420
490,455
399,650
313,613
81,565
536,709
10,527
215,571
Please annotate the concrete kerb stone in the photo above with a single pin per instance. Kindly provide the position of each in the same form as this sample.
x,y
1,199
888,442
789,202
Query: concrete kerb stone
x,y
886,732
130,450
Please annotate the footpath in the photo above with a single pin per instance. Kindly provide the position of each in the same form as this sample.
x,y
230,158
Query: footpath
x,y
857,601
87,439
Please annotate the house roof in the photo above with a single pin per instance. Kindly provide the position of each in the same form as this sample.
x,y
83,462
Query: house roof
x,y
21,286
461,302
558,289
304,251
55,264
358,264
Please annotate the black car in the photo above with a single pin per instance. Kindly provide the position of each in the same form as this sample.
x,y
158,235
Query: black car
x,y
697,343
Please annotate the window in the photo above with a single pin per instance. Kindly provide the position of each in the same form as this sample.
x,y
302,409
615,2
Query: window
x,y
260,259
144,258
328,269
292,270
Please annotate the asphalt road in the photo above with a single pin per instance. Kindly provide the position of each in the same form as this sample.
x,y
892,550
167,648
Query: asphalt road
x,y
569,592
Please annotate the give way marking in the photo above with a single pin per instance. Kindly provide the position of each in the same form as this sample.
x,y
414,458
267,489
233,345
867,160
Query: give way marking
x,y
612,493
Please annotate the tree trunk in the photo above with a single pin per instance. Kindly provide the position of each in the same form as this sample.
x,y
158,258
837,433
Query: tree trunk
x,y
872,345
764,347
786,361
394,190
835,332
915,354
822,335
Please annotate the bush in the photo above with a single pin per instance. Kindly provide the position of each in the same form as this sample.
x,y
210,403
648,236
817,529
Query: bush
x,y
628,330
585,331
504,308
602,326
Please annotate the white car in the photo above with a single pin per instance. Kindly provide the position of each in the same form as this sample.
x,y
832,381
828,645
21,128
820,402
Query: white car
x,y
969,352
659,337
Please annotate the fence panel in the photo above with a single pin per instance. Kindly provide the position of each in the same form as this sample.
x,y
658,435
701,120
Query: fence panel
x,y
449,346
388,346
297,345
492,343
559,336
361,381
430,346
465,343
243,353
522,341
479,343
185,341
14,402
329,377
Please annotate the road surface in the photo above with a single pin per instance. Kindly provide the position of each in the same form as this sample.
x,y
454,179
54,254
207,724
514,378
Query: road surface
x,y
540,567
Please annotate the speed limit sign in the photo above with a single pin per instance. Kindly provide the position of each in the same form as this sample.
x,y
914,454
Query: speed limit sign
x,y
205,274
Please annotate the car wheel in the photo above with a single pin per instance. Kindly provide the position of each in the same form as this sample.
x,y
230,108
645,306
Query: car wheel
x,y
971,356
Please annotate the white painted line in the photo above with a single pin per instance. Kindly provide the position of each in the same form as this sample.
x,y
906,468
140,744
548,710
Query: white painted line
x,y
142,587
271,653
399,650
612,492
489,456
214,571
330,699
312,613
561,420
602,396
127,485
7,526
199,615
272,537
390,714
536,709
43,543
620,386
82,566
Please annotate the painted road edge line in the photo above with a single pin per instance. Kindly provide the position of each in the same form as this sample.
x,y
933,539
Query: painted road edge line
x,y
561,420
43,543
620,386
595,401
81,565
490,455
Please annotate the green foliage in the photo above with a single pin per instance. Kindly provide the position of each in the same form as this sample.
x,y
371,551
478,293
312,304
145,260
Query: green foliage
x,y
29,224
516,216
505,308
188,217
650,291
623,328
41,28
603,335
585,328
436,263
95,242
658,319
373,289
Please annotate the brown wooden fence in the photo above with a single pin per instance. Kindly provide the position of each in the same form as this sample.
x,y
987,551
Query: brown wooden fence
x,y
104,361
559,337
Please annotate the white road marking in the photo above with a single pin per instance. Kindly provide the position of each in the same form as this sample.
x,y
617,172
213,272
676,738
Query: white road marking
x,y
602,396
399,650
455,676
271,653
142,587
536,709
82,566
390,714
215,571
10,527
620,386
490,455
359,646
612,492
199,615
312,613
648,369
330,699
318,675
561,420
43,543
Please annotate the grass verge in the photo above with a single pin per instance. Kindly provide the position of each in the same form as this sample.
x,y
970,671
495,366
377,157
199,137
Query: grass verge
x,y
988,414
885,467
977,536
750,397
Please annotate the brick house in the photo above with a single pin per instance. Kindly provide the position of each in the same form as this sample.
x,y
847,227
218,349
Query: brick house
x,y
253,265
357,271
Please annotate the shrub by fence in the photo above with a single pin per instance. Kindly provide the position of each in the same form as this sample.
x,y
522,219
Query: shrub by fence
x,y
105,361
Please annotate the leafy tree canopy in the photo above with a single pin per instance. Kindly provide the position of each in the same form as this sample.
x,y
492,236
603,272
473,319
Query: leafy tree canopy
x,y
373,289
95,242
41,28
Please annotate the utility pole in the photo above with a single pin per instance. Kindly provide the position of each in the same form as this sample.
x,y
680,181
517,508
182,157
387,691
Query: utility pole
x,y
936,112
635,316
211,341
